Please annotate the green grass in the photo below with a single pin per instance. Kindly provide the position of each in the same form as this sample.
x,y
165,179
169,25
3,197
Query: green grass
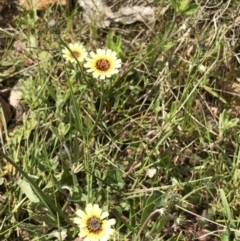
x,y
85,141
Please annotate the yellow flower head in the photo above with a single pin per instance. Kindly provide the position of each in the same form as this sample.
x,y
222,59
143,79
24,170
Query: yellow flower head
x,y
78,51
93,224
103,64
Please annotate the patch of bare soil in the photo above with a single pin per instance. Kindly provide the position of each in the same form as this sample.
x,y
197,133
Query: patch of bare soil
x,y
8,11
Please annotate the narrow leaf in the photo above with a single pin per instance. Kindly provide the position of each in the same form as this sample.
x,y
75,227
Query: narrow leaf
x,y
27,190
191,9
227,209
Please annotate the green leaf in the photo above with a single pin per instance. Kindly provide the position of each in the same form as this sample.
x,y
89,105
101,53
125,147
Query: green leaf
x,y
227,209
27,190
114,177
168,46
192,9
226,236
174,4
148,208
170,27
63,129
47,219
1,180
114,42
184,4
8,72
214,93
32,42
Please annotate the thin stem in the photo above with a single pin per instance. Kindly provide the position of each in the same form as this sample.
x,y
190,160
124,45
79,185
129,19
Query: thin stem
x,y
206,219
146,221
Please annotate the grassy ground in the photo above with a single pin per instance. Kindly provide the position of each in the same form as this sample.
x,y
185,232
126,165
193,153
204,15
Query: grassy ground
x,y
172,109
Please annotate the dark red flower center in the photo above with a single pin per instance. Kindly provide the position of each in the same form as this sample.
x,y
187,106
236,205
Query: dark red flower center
x,y
103,64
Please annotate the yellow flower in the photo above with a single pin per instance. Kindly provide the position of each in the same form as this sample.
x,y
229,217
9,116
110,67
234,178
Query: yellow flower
x,y
77,50
103,63
93,224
